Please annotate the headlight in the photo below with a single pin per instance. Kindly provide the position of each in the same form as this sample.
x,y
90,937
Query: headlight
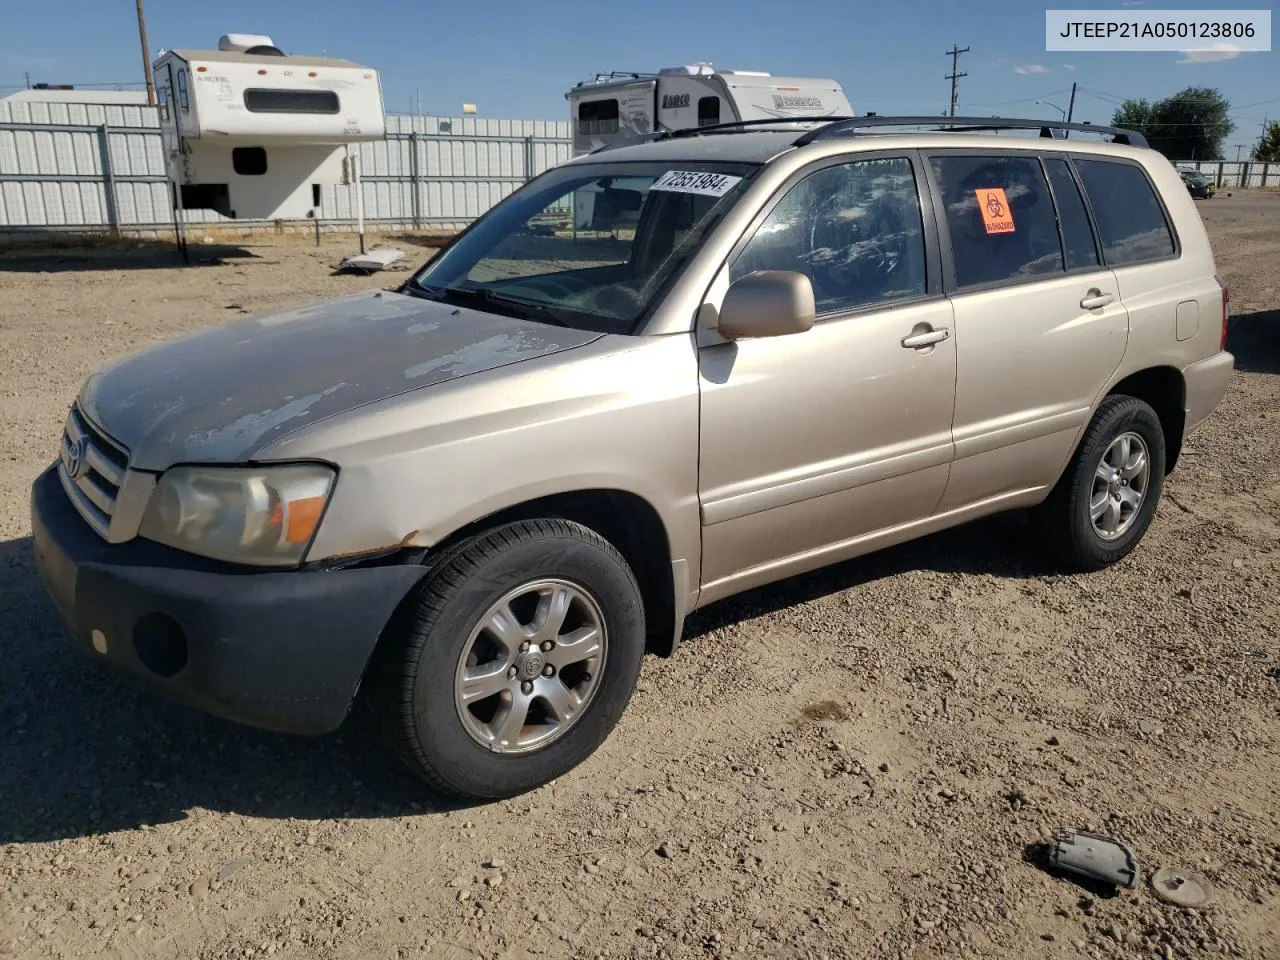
x,y
256,515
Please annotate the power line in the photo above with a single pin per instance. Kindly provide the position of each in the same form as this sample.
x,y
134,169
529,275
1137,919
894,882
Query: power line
x,y
1005,103
953,76
1115,98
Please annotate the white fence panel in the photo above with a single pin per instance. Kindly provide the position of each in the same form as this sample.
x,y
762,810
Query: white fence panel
x,y
430,172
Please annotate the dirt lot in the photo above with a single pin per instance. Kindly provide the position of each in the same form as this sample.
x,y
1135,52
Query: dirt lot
x,y
849,764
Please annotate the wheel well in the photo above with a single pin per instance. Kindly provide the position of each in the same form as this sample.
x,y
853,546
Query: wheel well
x,y
628,522
1163,389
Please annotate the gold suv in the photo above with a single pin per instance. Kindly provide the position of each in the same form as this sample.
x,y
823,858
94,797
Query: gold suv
x,y
654,376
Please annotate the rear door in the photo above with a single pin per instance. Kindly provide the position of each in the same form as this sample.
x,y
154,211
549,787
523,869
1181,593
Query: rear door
x,y
1039,324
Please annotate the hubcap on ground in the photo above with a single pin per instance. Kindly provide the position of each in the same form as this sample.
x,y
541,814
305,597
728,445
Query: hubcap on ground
x,y
531,666
1119,486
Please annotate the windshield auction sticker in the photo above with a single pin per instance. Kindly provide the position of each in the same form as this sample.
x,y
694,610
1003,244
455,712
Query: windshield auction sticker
x,y
1172,31
706,184
994,207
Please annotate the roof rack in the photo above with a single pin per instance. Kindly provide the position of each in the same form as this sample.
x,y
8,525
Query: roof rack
x,y
733,126
844,127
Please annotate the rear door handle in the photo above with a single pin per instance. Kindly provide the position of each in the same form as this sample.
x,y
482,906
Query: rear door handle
x,y
1095,298
926,339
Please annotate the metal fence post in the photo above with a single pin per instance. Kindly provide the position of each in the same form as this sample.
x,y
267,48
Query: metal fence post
x,y
528,159
108,179
413,179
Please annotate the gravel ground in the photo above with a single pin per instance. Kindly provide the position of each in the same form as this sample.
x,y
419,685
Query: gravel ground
x,y
854,763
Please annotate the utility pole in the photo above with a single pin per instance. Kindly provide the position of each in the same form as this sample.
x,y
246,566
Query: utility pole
x,y
1071,108
953,76
146,57
27,74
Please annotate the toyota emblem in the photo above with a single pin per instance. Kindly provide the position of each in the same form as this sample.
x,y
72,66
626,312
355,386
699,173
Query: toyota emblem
x,y
75,458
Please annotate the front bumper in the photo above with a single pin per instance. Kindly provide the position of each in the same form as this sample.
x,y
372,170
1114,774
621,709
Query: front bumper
x,y
281,650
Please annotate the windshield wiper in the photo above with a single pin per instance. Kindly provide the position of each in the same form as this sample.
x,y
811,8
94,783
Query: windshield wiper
x,y
521,309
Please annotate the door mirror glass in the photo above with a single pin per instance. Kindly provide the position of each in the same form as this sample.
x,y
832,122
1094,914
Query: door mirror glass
x,y
767,303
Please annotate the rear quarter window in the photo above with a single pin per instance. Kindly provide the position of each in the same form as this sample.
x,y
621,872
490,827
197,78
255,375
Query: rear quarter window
x,y
1131,222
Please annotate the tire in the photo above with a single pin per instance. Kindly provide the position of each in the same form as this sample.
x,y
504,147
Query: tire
x,y
446,630
1065,519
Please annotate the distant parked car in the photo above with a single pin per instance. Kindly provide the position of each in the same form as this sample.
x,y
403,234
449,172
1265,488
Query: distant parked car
x,y
1197,184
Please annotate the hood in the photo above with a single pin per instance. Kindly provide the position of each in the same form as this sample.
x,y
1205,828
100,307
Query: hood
x,y
220,395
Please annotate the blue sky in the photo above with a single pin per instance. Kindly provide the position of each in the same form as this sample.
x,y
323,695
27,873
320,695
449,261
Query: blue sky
x,y
516,59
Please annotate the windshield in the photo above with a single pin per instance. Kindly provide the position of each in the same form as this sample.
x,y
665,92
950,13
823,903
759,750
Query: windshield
x,y
587,246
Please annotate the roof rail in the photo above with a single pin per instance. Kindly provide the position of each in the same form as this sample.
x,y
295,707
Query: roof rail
x,y
844,127
847,126
733,126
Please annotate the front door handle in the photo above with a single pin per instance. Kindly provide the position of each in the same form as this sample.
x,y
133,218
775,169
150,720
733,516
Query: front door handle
x,y
1095,299
925,339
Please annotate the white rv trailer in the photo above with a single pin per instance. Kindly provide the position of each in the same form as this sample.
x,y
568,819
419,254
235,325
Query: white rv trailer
x,y
615,106
252,133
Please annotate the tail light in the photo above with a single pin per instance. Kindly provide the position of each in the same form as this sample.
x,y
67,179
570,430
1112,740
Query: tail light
x,y
1226,301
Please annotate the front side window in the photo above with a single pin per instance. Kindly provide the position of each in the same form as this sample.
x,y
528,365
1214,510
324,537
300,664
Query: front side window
x,y
853,229
586,246
184,100
1131,222
598,117
1000,218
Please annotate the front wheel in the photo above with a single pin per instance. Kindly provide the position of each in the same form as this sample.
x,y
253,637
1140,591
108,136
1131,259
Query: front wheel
x,y
518,657
1105,500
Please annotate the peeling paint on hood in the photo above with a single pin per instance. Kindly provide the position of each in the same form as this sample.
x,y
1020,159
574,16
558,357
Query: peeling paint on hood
x,y
220,395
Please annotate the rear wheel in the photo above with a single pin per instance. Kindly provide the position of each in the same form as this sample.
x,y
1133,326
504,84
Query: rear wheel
x,y
1103,503
519,654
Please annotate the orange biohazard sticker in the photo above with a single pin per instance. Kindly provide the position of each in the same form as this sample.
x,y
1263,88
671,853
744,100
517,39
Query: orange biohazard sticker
x,y
994,207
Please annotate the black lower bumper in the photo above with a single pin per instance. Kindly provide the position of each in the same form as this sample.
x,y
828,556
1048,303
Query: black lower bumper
x,y
282,650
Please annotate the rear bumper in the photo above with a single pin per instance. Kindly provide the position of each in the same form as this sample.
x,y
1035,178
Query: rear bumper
x,y
1206,384
281,650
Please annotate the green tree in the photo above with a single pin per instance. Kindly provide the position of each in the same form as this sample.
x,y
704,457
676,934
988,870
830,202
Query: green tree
x,y
1268,148
1190,125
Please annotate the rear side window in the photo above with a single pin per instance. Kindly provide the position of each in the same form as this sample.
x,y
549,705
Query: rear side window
x,y
1077,235
1131,223
1000,218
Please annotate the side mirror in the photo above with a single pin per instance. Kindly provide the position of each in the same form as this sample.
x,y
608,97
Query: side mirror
x,y
767,303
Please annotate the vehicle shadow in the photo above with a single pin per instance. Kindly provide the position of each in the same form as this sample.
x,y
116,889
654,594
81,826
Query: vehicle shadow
x,y
53,257
85,751
1254,338
999,546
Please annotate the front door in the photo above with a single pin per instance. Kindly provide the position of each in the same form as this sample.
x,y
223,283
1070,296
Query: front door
x,y
812,442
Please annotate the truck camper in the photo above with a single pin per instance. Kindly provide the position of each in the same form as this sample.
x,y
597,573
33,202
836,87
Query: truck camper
x,y
252,133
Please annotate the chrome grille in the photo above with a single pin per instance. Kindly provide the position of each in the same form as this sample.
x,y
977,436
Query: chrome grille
x,y
92,469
